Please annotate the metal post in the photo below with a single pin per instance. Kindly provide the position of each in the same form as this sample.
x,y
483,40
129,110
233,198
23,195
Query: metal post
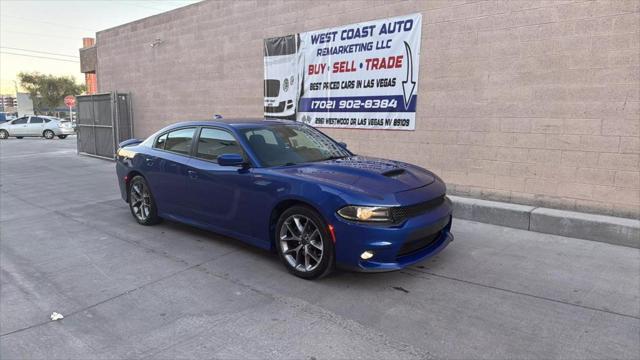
x,y
130,106
78,131
116,123
93,117
114,112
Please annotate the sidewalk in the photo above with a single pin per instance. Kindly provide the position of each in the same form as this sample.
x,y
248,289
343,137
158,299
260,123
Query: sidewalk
x,y
608,229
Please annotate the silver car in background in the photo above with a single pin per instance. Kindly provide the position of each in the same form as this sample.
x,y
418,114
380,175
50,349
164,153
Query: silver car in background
x,y
36,125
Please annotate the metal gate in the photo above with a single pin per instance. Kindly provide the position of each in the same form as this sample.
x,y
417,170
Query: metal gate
x,y
104,120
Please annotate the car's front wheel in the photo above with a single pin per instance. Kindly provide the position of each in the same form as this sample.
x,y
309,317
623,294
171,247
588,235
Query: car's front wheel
x,y
62,137
141,202
304,243
48,134
4,134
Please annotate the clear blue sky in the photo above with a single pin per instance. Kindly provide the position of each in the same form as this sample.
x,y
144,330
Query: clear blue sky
x,y
39,29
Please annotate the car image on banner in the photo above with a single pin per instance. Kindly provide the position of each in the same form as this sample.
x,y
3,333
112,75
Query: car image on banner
x,y
361,75
282,78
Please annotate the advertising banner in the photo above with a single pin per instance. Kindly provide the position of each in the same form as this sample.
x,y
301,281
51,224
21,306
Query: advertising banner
x,y
363,75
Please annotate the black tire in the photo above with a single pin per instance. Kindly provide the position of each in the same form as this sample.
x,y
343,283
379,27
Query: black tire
x,y
305,267
141,202
62,137
48,134
4,134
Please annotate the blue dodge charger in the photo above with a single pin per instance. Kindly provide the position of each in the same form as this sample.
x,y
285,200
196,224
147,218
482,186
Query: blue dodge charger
x,y
288,187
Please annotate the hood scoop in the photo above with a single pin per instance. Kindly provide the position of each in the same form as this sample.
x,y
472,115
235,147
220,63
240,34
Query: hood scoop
x,y
393,173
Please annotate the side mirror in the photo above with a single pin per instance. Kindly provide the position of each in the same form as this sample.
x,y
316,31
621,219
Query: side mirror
x,y
343,145
230,160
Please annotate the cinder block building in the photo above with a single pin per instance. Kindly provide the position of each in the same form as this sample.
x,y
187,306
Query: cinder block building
x,y
531,102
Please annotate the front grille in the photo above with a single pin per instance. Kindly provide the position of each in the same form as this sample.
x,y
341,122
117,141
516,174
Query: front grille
x,y
416,245
400,213
425,237
271,88
275,109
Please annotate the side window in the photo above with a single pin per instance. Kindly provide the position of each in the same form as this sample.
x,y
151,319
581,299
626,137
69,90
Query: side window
x,y
179,141
22,120
215,142
160,141
47,120
36,120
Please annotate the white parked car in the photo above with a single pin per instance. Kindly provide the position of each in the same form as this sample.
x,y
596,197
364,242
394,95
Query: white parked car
x,y
36,125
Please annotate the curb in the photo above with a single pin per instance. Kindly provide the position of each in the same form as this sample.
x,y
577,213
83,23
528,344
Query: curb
x,y
601,228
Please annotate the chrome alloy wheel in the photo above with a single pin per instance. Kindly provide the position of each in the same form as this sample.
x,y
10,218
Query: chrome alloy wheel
x,y
140,201
301,243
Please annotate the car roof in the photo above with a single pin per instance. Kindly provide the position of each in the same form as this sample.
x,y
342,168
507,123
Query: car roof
x,y
234,123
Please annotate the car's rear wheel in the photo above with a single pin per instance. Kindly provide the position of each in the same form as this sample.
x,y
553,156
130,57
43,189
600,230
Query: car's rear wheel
x,y
4,134
141,202
304,243
62,137
48,134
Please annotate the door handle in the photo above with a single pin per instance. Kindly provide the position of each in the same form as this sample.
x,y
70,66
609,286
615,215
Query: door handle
x,y
192,174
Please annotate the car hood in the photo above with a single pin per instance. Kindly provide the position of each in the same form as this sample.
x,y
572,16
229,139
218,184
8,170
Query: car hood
x,y
364,174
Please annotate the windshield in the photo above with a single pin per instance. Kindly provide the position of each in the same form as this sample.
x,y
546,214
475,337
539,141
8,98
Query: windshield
x,y
291,144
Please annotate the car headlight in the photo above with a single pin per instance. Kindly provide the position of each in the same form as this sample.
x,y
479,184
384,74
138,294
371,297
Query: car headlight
x,y
366,213
285,85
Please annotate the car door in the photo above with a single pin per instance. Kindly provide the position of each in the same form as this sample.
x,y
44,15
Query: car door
x,y
165,168
35,126
18,127
220,196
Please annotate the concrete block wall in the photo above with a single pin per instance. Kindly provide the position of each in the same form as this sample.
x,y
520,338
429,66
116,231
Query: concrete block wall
x,y
531,102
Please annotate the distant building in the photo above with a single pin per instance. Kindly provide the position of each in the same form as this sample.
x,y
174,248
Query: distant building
x,y
8,103
88,67
24,104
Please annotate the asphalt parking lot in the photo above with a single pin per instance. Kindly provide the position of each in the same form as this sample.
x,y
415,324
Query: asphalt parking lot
x,y
69,244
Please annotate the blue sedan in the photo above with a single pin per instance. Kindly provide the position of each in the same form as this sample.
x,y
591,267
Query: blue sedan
x,y
285,186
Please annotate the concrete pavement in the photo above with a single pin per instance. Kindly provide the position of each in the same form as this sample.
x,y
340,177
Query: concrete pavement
x,y
69,244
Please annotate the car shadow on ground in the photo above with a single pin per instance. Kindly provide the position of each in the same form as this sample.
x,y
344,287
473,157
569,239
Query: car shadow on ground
x,y
271,260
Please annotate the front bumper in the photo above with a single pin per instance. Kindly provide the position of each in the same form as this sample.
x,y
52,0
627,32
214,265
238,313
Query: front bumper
x,y
283,108
431,232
